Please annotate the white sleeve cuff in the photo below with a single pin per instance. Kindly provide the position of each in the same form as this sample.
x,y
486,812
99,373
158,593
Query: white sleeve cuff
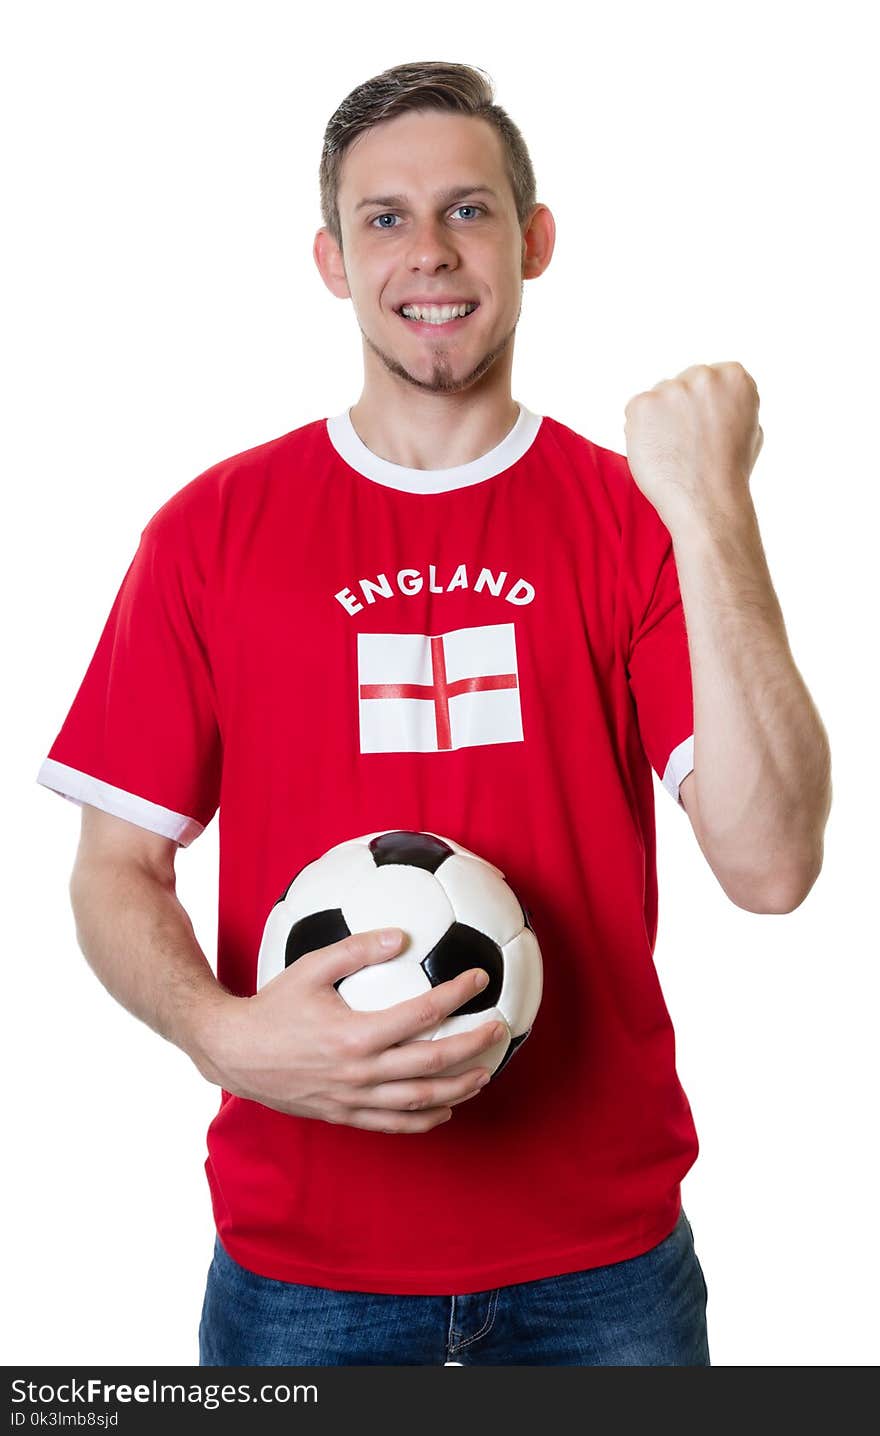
x,y
681,762
82,788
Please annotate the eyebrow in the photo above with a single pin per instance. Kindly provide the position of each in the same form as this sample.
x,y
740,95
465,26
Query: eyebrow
x,y
443,196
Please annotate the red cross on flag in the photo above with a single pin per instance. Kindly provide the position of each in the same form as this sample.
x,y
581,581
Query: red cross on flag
x,y
423,693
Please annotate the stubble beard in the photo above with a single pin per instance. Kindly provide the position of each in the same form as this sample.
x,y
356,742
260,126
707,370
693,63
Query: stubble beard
x,y
442,380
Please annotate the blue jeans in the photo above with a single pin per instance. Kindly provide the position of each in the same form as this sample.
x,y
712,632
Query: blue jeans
x,y
647,1311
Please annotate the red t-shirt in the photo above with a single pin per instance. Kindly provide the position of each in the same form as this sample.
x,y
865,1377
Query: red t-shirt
x,y
245,665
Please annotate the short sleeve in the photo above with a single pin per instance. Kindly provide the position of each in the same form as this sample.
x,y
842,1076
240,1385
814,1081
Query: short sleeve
x,y
658,666
142,739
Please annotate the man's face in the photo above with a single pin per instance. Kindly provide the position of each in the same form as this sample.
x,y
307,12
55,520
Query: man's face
x,y
427,214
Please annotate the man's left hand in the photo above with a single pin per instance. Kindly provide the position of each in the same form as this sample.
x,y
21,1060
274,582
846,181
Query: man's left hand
x,y
692,441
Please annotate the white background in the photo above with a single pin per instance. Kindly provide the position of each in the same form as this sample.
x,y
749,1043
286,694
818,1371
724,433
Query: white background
x,y
711,169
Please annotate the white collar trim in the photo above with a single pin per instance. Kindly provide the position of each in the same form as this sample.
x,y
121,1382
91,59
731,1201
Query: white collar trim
x,y
354,451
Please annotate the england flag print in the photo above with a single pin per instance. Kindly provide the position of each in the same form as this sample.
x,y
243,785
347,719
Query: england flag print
x,y
430,693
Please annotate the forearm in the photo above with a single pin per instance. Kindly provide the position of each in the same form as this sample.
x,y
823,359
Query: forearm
x,y
761,753
139,941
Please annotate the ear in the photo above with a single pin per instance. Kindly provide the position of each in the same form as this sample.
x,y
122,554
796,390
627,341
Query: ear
x,y
331,266
539,239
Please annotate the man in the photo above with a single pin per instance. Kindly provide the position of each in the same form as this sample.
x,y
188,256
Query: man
x,y
631,606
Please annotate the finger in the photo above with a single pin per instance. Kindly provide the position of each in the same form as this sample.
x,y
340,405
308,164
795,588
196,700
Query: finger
x,y
437,1057
326,965
426,1093
414,1015
376,1119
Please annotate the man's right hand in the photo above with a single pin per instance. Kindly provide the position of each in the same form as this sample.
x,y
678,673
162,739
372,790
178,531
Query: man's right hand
x,y
297,1047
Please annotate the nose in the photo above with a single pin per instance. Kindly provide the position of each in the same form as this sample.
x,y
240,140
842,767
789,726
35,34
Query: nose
x,y
431,247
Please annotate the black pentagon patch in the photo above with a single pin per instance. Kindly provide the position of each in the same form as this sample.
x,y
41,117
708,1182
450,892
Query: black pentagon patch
x,y
462,947
514,1043
416,850
319,929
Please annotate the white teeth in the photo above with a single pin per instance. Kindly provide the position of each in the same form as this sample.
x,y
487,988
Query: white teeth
x,y
437,314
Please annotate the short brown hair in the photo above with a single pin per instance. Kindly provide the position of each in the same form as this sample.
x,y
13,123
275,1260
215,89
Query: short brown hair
x,y
421,85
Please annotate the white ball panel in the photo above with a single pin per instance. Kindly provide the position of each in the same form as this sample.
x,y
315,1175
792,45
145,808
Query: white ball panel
x,y
523,982
382,984
397,895
480,897
324,883
270,960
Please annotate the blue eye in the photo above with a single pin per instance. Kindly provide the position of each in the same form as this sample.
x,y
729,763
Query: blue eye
x,y
374,223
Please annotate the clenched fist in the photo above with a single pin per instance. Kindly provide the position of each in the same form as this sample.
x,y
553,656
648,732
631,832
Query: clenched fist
x,y
692,441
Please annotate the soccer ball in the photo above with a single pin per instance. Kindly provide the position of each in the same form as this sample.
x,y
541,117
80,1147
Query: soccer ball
x,y
456,911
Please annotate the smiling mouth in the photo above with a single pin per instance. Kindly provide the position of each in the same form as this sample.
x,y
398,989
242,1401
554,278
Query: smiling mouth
x,y
436,317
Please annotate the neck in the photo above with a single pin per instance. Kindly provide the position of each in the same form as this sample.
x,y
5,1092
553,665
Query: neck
x,y
423,430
